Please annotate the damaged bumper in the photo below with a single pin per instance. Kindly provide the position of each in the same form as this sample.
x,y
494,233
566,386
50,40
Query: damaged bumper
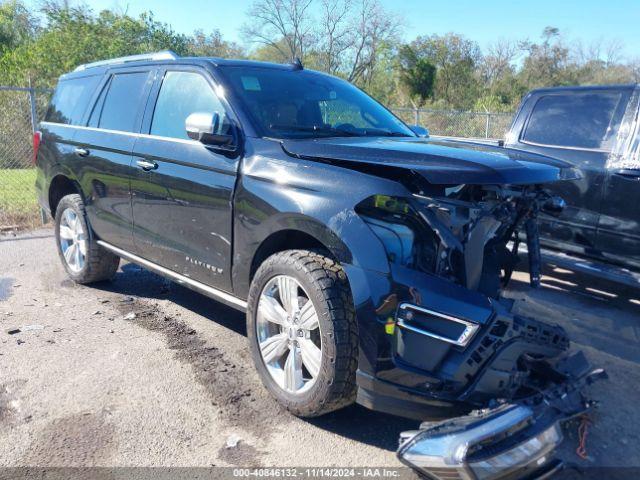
x,y
512,440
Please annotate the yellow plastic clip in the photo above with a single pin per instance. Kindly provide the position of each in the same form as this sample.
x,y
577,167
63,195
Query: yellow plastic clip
x,y
390,326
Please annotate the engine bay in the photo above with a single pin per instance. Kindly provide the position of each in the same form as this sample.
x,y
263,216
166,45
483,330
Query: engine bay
x,y
469,234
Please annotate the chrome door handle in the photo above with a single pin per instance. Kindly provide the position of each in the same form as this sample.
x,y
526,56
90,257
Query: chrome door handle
x,y
82,152
146,165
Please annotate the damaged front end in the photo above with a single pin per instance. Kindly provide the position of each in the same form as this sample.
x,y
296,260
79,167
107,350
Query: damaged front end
x,y
462,233
510,440
437,338
513,370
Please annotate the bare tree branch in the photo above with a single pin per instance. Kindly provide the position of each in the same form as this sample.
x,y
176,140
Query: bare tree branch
x,y
284,25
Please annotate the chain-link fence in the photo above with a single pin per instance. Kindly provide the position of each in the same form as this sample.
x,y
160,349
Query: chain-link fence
x,y
452,123
20,110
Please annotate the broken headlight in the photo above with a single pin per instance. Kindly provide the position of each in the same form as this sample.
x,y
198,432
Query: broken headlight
x,y
491,445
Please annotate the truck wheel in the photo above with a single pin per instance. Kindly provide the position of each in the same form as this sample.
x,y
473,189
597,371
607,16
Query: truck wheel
x,y
302,331
84,260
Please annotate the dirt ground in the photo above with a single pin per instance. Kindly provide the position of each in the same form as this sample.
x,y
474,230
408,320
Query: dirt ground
x,y
143,372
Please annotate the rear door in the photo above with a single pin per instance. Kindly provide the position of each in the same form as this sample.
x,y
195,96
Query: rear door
x,y
182,204
577,126
105,144
65,113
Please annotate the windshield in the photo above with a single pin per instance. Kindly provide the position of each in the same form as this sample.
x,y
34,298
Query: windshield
x,y
305,104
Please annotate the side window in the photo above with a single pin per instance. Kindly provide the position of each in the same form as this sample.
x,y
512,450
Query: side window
x,y
583,120
122,102
70,100
94,119
181,94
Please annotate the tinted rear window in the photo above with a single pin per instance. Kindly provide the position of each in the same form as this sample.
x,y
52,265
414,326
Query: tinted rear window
x,y
582,120
123,100
70,100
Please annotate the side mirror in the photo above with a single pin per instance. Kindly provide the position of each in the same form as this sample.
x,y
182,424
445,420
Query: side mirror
x,y
202,127
419,131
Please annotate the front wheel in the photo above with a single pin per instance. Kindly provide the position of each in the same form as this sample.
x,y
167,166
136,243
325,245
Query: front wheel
x,y
303,333
84,260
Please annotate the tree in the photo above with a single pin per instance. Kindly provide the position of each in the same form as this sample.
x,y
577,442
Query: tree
x,y
456,60
375,29
335,36
499,61
342,37
213,45
18,25
75,35
417,75
283,25
547,62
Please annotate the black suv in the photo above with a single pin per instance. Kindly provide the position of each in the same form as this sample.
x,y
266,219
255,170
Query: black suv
x,y
369,259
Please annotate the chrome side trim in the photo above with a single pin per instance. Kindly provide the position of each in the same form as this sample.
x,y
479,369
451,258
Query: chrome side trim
x,y
462,341
120,132
214,292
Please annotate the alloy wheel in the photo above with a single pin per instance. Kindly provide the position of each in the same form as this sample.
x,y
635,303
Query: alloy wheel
x,y
288,334
73,240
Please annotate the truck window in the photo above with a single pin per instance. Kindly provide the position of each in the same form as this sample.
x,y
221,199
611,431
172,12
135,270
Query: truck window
x,y
181,94
70,100
583,120
122,101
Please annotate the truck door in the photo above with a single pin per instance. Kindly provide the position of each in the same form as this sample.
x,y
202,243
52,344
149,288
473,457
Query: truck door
x,y
182,191
577,126
619,227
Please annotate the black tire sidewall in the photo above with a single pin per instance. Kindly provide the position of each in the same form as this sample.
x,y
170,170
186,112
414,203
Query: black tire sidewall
x,y
314,397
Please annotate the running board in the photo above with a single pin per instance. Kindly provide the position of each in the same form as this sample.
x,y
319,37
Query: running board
x,y
211,292
589,267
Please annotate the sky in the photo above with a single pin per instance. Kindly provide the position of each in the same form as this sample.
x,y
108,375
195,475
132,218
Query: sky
x,y
482,21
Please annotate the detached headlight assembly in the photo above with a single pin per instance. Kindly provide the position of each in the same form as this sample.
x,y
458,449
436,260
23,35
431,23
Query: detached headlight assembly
x,y
498,443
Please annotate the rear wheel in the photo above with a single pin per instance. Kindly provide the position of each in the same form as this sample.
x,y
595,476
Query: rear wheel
x,y
302,331
84,260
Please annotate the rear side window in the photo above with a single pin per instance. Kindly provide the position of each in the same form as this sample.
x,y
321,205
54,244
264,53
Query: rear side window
x,y
181,94
70,100
121,105
584,120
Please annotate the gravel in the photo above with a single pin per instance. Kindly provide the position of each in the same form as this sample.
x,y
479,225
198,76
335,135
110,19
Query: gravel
x,y
143,372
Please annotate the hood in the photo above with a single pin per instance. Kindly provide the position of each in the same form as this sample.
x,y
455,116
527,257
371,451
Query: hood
x,y
443,162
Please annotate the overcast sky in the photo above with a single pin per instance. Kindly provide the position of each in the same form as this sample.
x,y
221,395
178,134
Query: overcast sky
x,y
483,21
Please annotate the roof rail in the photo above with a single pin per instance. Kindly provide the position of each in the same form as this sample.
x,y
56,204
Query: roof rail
x,y
163,55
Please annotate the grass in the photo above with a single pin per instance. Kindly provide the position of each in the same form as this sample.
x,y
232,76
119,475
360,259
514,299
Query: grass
x,y
18,204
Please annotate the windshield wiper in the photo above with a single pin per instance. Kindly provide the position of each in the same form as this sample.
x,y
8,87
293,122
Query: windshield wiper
x,y
372,132
314,129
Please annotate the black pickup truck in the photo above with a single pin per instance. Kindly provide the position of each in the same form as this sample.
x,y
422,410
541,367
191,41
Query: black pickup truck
x,y
369,260
597,130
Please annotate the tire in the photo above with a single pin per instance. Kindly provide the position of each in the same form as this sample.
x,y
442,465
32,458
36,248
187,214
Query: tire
x,y
323,282
89,262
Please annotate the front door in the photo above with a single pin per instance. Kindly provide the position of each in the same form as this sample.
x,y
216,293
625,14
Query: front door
x,y
619,228
182,190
